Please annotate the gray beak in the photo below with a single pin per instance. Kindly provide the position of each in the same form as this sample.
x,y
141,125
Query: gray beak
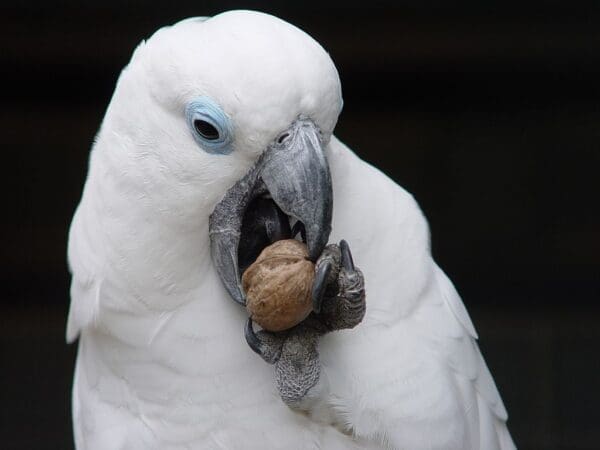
x,y
294,173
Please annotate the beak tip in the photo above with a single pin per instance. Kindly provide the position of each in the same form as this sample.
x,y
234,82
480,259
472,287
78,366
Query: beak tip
x,y
313,254
317,241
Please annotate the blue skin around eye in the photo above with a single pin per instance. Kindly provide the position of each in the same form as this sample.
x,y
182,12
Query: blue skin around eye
x,y
204,108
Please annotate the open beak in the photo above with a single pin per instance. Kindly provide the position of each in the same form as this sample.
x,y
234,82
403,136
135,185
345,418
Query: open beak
x,y
294,173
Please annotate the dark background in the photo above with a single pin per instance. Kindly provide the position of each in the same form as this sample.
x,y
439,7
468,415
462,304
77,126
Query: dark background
x,y
486,111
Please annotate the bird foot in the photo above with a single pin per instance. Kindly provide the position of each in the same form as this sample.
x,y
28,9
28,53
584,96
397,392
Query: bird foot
x,y
295,356
339,289
338,302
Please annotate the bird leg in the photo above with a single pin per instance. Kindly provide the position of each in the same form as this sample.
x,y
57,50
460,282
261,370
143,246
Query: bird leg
x,y
295,356
339,302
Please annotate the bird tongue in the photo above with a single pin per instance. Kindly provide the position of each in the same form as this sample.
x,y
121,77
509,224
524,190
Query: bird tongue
x,y
263,223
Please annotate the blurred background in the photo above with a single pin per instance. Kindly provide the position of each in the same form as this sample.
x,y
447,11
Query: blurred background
x,y
487,111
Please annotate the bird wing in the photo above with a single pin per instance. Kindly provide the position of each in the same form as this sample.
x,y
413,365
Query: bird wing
x,y
411,375
85,283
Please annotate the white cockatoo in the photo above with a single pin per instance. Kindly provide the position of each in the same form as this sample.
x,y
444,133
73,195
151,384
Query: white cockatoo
x,y
216,123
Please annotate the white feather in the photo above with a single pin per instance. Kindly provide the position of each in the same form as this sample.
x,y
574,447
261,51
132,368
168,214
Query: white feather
x,y
162,361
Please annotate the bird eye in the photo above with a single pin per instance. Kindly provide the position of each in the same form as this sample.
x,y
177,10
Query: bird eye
x,y
210,126
206,130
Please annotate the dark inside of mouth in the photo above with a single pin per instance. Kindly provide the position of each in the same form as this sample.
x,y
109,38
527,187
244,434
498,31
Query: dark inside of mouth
x,y
263,223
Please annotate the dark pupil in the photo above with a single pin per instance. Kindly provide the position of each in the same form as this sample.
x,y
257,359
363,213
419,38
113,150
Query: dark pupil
x,y
206,130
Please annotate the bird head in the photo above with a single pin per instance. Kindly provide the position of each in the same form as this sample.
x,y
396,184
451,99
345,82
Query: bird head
x,y
223,111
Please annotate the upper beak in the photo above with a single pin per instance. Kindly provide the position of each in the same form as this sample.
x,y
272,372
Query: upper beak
x,y
295,172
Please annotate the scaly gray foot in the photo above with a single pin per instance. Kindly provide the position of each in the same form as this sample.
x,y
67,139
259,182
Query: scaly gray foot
x,y
339,289
339,303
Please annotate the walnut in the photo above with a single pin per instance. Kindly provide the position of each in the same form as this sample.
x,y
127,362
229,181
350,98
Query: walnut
x,y
278,285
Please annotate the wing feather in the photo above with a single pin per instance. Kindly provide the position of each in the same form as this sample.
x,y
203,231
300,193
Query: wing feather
x,y
411,376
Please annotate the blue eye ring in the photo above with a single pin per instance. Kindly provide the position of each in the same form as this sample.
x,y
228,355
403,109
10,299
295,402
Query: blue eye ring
x,y
210,126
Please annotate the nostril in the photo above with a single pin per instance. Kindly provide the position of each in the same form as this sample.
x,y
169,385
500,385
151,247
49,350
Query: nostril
x,y
282,138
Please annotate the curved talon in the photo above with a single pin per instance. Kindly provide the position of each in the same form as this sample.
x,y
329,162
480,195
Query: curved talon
x,y
252,339
347,262
320,284
299,228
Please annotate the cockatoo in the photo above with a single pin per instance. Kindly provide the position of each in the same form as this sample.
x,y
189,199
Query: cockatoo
x,y
218,136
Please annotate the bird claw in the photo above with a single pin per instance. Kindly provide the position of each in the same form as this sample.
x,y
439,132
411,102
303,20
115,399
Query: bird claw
x,y
295,356
338,297
347,261
266,345
322,274
327,270
339,289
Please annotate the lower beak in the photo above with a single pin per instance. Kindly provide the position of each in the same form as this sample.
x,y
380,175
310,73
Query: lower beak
x,y
294,172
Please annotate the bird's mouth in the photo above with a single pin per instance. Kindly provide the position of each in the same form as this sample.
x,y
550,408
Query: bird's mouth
x,y
287,192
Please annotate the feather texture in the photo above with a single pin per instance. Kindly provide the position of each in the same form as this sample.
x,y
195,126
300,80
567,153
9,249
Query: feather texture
x,y
162,361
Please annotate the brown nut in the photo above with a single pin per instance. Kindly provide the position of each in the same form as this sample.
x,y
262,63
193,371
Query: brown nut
x,y
278,285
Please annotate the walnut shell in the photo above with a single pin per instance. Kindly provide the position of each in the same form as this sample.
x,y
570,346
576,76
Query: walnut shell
x,y
278,285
